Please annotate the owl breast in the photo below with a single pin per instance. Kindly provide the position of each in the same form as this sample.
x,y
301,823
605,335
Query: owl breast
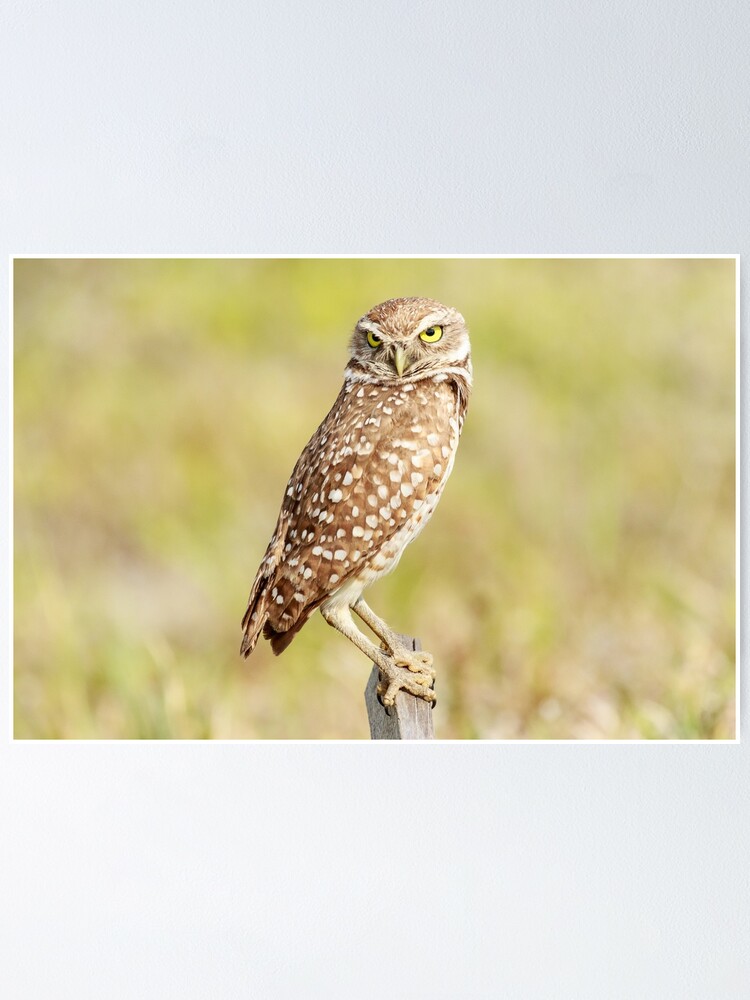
x,y
364,487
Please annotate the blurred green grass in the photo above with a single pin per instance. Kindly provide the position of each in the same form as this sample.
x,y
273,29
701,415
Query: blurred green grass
x,y
577,580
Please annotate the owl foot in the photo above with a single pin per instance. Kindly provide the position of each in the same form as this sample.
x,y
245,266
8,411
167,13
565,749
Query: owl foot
x,y
416,662
395,678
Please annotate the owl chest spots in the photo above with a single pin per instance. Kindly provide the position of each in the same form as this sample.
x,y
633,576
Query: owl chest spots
x,y
408,476
372,480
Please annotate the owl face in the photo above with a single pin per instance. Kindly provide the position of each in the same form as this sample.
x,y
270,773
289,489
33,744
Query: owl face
x,y
403,338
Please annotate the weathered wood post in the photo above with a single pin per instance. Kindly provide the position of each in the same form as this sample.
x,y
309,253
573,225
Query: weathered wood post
x,y
409,719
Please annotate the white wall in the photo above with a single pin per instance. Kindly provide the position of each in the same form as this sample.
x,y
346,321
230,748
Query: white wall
x,y
159,870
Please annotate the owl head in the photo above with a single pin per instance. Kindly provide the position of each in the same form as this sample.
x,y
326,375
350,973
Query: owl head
x,y
404,338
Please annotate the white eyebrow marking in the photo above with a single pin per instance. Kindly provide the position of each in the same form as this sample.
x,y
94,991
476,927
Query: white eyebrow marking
x,y
432,319
367,324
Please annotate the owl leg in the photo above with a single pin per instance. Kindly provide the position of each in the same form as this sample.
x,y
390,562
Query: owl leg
x,y
417,662
396,677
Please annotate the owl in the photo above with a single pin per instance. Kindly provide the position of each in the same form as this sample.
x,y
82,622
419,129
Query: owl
x,y
366,484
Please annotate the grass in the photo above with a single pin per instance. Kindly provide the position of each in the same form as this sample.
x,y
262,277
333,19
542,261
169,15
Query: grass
x,y
577,580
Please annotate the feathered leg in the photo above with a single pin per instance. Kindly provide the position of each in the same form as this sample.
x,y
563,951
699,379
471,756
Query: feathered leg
x,y
396,677
417,662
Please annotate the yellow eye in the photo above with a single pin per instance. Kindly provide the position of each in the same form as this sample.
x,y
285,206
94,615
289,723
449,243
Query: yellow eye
x,y
373,340
431,335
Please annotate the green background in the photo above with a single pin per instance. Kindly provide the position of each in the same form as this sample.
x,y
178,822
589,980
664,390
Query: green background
x,y
577,580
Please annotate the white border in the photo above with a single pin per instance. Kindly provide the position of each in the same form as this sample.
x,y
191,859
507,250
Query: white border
x,y
350,256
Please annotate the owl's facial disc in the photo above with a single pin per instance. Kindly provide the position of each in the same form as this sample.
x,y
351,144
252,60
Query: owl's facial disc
x,y
408,338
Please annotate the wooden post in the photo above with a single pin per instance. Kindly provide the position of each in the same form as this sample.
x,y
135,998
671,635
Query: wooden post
x,y
409,719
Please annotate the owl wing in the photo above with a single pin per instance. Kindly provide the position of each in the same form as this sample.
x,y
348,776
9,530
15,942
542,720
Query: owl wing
x,y
379,455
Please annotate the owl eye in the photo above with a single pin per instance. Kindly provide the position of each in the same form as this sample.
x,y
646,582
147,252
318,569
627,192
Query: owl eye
x,y
431,335
373,340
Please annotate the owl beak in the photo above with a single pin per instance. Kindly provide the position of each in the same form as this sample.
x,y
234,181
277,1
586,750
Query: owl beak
x,y
400,358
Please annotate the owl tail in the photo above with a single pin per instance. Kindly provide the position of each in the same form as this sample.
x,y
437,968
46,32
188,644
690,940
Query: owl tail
x,y
255,616
256,622
253,628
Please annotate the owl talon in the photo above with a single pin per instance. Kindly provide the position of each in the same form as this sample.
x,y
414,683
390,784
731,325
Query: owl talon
x,y
417,663
400,679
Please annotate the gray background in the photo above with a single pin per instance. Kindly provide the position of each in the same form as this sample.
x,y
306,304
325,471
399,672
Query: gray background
x,y
530,871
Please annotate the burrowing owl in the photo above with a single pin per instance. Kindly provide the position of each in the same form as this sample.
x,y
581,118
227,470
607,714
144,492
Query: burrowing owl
x,y
367,483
